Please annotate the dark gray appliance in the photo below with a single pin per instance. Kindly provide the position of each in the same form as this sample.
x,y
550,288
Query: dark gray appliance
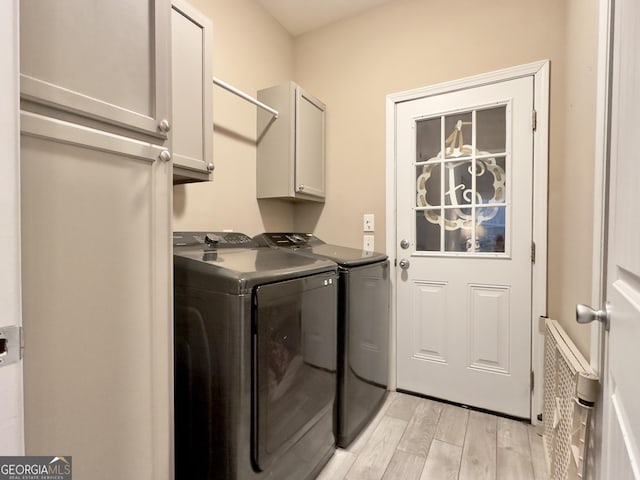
x,y
363,326
255,360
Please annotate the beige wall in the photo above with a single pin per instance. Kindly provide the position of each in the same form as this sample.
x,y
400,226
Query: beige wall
x,y
251,51
571,172
352,66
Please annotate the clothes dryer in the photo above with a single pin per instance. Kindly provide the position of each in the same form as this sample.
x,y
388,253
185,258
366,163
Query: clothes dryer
x,y
363,326
255,360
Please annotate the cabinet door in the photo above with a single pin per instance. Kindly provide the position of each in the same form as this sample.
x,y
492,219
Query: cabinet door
x,y
310,155
192,85
107,60
97,314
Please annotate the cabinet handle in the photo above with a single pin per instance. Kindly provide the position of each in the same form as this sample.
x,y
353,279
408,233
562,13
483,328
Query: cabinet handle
x,y
300,188
210,167
164,125
165,155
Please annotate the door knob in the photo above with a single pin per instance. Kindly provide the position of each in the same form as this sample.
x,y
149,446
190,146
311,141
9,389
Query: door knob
x,y
404,264
404,244
586,314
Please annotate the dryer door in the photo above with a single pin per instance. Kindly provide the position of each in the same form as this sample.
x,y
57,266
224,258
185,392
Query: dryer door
x,y
294,361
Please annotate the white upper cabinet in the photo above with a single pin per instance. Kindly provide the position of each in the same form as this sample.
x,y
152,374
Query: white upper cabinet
x,y
106,61
192,86
291,148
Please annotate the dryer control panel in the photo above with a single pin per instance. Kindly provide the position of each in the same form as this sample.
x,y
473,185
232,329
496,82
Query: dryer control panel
x,y
213,239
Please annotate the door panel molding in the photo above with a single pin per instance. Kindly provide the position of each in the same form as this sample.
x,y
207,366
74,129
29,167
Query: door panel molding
x,y
430,345
540,72
489,310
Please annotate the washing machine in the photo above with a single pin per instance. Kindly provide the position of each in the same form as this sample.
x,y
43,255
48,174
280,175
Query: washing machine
x,y
255,359
363,326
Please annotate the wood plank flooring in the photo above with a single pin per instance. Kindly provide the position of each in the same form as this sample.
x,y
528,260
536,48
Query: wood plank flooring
x,y
413,438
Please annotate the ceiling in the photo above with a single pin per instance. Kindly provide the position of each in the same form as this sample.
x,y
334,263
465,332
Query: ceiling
x,y
300,16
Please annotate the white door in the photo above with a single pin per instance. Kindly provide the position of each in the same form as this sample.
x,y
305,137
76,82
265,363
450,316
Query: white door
x,y
11,422
621,409
464,231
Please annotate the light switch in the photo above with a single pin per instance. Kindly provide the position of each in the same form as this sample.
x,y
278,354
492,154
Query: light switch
x,y
368,224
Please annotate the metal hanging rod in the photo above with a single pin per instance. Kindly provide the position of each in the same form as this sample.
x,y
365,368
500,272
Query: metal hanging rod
x,y
247,97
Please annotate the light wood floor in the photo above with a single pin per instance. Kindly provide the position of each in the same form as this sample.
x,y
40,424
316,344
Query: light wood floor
x,y
413,438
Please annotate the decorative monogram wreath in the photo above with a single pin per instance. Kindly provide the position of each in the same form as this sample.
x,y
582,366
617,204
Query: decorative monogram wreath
x,y
483,165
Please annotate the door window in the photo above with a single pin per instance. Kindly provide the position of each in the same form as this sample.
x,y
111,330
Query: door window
x,y
462,167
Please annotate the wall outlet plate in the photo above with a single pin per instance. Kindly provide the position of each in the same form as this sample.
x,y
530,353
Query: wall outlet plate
x,y
368,243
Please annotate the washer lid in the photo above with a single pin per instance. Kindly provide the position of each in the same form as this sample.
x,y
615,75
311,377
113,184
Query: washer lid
x,y
238,270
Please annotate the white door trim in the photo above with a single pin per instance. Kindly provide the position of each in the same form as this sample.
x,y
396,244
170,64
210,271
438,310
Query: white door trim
x,y
11,403
601,180
600,207
540,72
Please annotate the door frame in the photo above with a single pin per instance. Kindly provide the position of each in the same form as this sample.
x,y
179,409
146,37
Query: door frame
x,y
12,413
601,177
598,347
540,72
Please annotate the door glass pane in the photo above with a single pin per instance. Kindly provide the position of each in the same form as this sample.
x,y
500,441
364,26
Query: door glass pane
x,y
458,230
491,129
462,167
458,182
491,180
490,229
458,130
428,184
428,135
428,230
